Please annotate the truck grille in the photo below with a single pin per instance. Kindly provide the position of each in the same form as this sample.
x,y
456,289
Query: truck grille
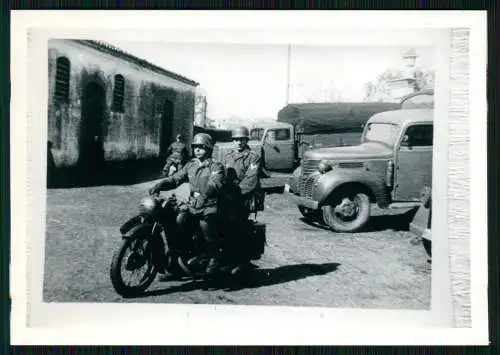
x,y
306,186
309,166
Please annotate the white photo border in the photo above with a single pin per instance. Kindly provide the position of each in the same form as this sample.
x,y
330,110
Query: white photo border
x,y
34,322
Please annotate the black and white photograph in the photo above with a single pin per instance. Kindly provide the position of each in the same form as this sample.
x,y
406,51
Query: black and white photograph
x,y
295,184
292,173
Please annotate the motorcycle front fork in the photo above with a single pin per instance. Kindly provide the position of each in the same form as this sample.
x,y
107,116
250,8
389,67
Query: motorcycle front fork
x,y
158,247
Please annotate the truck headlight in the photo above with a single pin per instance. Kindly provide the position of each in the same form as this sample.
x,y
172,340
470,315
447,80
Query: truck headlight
x,y
324,166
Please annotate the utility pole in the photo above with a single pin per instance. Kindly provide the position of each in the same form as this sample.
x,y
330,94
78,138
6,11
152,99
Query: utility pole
x,y
288,75
204,111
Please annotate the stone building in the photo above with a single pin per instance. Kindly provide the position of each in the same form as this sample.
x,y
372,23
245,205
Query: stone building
x,y
106,105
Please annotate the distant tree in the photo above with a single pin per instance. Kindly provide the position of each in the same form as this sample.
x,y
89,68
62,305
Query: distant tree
x,y
377,90
424,79
210,123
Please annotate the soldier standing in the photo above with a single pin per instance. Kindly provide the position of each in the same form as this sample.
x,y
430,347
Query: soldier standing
x,y
243,169
242,192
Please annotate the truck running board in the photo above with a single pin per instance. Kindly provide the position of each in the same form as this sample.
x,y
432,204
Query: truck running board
x,y
399,205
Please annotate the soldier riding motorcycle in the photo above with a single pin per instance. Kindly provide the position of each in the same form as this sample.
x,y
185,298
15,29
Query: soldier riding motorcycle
x,y
181,239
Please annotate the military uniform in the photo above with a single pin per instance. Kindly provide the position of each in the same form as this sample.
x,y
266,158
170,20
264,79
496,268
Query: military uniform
x,y
241,196
205,179
243,170
177,154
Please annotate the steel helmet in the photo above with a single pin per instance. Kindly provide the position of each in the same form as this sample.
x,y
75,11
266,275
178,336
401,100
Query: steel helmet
x,y
202,139
240,132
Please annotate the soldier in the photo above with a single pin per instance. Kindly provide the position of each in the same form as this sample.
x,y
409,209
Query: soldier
x,y
243,168
242,191
206,178
177,155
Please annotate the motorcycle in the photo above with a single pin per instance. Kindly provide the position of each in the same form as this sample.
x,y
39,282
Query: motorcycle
x,y
149,237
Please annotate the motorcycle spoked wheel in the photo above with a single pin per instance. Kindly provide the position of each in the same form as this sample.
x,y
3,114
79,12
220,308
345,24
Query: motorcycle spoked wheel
x,y
140,258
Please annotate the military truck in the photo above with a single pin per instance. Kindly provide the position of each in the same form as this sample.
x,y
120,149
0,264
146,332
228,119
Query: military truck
x,y
338,186
301,127
274,141
218,135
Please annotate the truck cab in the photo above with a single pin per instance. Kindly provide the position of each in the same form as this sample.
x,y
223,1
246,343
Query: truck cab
x,y
273,141
389,168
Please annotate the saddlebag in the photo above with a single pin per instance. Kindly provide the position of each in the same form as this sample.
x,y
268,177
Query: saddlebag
x,y
257,240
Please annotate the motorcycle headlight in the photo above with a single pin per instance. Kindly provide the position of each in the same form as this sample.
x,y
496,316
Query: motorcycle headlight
x,y
147,205
324,166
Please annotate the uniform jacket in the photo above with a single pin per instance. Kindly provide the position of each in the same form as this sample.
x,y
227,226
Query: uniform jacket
x,y
243,168
205,182
177,152
243,171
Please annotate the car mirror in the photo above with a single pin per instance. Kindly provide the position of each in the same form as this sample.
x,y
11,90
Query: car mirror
x,y
406,141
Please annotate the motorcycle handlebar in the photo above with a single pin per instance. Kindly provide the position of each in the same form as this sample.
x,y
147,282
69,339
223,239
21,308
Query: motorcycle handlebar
x,y
157,194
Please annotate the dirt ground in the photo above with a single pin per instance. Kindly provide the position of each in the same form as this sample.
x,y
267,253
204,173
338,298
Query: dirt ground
x,y
304,264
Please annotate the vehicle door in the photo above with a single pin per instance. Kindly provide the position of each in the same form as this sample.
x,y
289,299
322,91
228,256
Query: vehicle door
x,y
256,140
413,162
279,149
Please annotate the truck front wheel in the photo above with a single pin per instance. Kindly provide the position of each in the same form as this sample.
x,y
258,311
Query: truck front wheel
x,y
347,212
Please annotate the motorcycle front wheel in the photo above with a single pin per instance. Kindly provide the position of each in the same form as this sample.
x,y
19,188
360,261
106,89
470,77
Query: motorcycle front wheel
x,y
134,257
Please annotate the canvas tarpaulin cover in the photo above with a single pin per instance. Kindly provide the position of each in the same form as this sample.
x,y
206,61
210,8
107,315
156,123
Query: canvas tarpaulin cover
x,y
218,135
313,118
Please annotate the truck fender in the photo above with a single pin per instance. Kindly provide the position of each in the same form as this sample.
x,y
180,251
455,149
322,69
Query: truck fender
x,y
330,181
294,179
297,172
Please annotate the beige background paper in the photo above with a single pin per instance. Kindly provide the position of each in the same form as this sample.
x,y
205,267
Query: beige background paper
x,y
458,312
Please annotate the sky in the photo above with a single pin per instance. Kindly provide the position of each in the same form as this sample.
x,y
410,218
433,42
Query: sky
x,y
250,81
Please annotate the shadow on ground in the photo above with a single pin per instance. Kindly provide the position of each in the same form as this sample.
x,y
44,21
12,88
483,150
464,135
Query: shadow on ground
x,y
255,279
122,173
269,190
396,222
282,274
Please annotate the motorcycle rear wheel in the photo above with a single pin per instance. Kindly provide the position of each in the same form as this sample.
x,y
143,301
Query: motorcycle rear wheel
x,y
120,260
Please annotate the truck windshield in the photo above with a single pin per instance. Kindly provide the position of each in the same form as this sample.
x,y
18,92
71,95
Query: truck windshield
x,y
256,134
382,132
